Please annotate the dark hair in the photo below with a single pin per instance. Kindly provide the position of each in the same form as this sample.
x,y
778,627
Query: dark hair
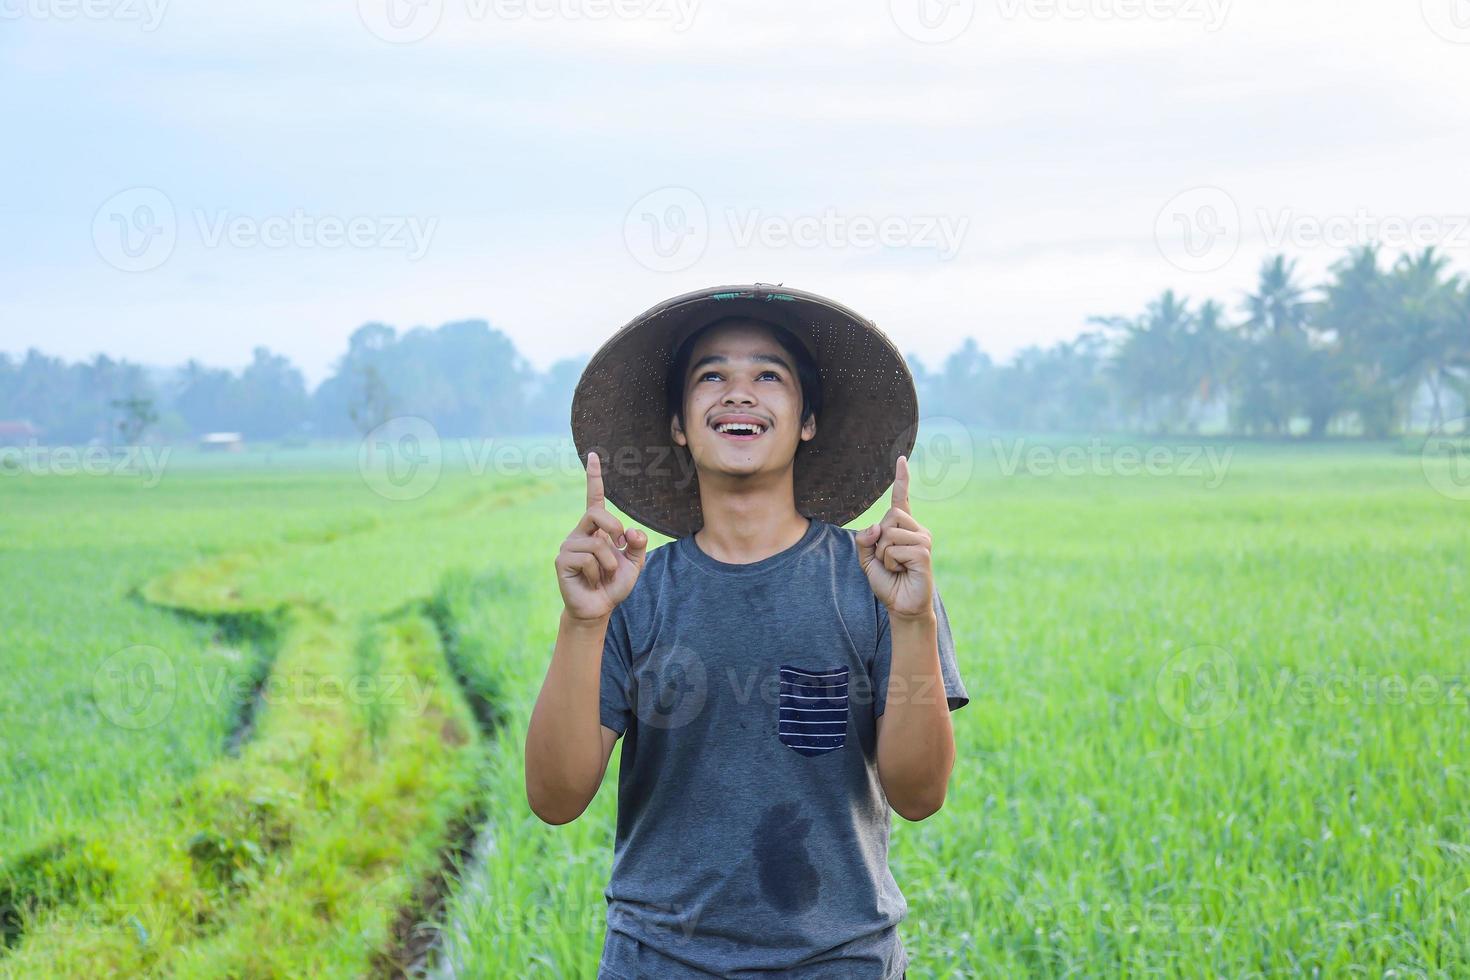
x,y
806,368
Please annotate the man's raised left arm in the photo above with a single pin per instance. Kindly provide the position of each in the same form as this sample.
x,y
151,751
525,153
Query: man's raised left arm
x,y
916,749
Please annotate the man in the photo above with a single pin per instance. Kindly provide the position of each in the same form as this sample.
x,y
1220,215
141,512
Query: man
x,y
779,681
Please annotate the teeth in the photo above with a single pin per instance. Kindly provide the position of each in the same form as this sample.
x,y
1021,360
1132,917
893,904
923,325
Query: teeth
x,y
743,428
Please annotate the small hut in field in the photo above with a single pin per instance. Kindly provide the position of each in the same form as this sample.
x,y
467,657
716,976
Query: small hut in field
x,y
222,442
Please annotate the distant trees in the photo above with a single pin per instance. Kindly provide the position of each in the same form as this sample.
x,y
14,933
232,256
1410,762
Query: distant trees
x,y
1374,349
1058,387
1157,362
137,415
266,400
1429,311
1354,354
1360,351
275,396
466,378
369,404
68,402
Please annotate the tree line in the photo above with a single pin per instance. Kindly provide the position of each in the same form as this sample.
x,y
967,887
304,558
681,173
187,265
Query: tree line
x,y
466,377
1378,348
1356,355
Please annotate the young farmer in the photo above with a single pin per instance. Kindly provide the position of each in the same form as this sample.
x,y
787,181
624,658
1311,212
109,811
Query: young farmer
x,y
779,681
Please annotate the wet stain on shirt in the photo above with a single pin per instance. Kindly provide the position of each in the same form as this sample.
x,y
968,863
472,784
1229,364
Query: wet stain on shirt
x,y
784,868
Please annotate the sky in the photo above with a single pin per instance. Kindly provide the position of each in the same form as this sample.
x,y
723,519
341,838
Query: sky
x,y
191,179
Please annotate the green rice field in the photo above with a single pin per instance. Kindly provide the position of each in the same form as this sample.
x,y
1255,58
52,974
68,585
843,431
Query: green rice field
x,y
264,717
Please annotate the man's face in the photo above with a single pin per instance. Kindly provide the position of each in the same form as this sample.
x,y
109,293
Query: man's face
x,y
740,376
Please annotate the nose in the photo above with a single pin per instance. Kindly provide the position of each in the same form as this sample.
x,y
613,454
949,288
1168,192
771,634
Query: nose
x,y
737,396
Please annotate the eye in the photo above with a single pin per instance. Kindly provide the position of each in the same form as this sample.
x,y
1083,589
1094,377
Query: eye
x,y
715,374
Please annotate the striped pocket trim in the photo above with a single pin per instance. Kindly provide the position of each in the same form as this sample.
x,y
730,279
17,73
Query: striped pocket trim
x,y
813,709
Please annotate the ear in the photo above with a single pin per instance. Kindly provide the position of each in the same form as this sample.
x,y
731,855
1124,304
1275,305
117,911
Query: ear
x,y
676,431
809,429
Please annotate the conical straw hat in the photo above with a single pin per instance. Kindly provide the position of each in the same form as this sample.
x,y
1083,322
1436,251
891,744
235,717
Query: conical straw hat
x,y
869,415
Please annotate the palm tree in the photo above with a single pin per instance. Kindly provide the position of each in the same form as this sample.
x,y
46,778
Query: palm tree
x,y
1209,353
1151,362
1426,326
1355,316
1275,348
1457,371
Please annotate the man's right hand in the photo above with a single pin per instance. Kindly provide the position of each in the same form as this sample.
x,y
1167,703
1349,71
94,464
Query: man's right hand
x,y
593,568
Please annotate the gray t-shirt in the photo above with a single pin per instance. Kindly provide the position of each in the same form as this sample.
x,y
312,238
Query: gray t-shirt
x,y
752,832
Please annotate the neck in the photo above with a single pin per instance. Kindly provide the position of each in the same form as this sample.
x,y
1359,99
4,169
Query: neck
x,y
750,518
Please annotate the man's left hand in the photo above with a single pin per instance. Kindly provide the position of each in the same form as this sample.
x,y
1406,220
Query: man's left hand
x,y
895,554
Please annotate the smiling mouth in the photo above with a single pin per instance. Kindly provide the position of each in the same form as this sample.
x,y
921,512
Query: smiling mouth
x,y
740,431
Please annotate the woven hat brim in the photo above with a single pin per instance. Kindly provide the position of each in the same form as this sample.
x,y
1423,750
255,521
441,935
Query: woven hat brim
x,y
868,419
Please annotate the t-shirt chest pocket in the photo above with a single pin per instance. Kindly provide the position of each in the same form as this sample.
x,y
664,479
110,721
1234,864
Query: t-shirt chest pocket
x,y
813,709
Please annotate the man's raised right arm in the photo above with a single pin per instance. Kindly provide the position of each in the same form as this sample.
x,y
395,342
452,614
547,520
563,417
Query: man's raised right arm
x,y
567,746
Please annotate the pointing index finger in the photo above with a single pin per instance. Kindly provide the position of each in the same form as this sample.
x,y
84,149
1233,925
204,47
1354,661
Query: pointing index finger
x,y
900,498
594,480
